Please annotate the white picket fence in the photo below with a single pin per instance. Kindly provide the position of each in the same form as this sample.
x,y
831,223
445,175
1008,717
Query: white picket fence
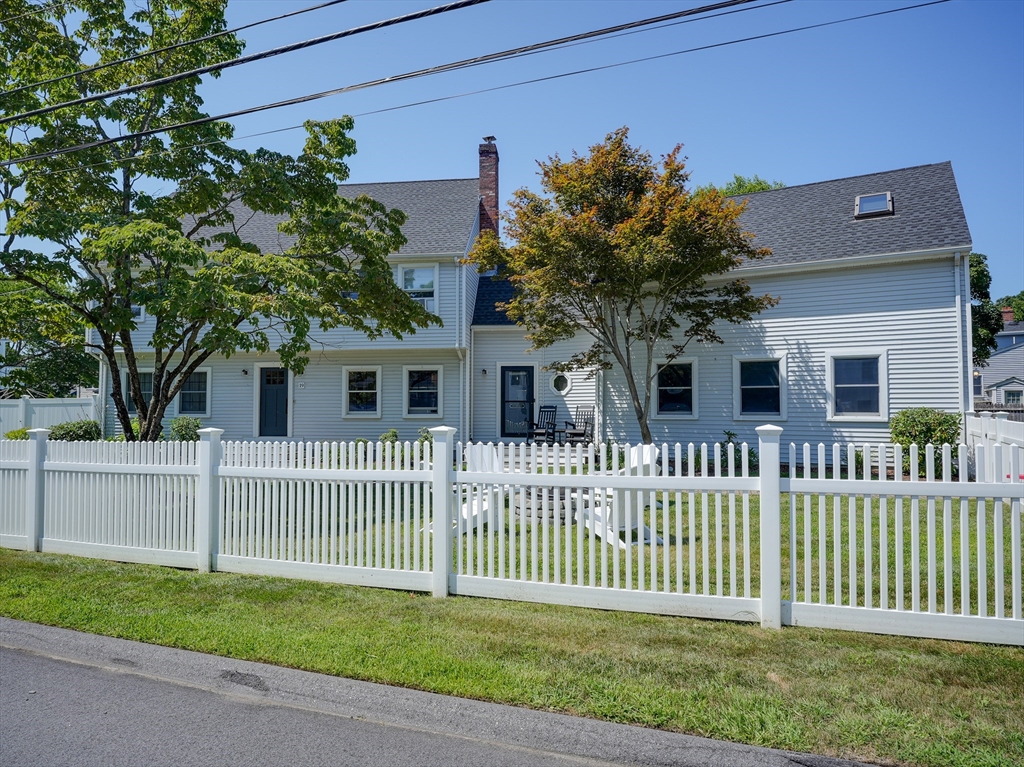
x,y
38,413
681,530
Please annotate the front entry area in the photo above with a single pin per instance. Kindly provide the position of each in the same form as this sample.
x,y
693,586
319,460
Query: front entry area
x,y
273,402
517,399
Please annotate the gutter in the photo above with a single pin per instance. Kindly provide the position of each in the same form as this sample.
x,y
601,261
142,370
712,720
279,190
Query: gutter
x,y
852,261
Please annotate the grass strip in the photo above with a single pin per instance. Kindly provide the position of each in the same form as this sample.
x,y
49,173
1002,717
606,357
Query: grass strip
x,y
859,696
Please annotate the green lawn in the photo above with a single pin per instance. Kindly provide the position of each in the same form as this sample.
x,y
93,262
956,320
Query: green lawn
x,y
887,699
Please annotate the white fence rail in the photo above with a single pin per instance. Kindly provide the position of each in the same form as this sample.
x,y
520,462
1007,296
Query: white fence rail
x,y
989,428
29,413
851,540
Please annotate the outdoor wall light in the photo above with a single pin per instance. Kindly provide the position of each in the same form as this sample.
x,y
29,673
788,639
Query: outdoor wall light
x,y
245,371
484,371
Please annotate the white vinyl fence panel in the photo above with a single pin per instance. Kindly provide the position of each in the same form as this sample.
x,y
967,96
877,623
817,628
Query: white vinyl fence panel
x,y
349,512
14,458
642,528
30,413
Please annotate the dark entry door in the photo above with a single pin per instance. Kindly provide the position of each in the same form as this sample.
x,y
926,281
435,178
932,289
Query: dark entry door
x,y
273,402
516,401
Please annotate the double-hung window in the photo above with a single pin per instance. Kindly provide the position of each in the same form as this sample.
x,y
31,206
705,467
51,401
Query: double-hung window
x,y
146,384
760,387
194,398
420,283
362,392
423,392
856,382
676,385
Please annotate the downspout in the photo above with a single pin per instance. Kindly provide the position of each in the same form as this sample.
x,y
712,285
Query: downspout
x,y
969,323
959,331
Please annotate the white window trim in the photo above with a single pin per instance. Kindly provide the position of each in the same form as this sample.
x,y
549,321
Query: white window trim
x,y
440,391
551,384
126,392
400,279
655,415
737,399
209,395
345,370
257,367
883,384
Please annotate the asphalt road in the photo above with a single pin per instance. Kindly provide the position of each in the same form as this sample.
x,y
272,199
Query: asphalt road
x,y
79,700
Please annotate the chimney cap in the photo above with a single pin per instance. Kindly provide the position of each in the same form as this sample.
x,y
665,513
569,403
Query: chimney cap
x,y
490,139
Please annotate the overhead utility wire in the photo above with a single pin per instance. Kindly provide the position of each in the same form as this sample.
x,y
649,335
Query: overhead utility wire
x,y
459,4
209,142
38,9
182,44
81,147
492,89
476,61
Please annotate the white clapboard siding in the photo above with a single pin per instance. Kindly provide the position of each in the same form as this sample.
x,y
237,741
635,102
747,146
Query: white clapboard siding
x,y
501,346
818,313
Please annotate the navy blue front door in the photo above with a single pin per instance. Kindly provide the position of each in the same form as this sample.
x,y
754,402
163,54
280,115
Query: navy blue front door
x,y
273,402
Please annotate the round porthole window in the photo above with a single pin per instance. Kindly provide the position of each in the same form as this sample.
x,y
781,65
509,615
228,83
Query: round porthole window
x,y
561,383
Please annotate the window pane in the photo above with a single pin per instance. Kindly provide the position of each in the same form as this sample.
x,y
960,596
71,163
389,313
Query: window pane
x,y
362,380
856,372
362,401
419,279
193,394
423,379
1013,397
856,399
676,375
874,203
675,400
146,383
759,373
765,400
423,402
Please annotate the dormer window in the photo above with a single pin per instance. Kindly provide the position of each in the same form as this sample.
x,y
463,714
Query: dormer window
x,y
870,205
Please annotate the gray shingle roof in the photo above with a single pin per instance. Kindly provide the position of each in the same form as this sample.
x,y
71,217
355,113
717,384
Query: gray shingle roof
x,y
490,291
814,222
441,215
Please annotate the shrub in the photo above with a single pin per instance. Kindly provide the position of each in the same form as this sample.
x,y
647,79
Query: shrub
x,y
185,428
76,431
391,435
17,434
425,435
921,426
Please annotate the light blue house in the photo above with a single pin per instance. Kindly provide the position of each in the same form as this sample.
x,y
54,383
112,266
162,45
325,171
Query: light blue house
x,y
874,317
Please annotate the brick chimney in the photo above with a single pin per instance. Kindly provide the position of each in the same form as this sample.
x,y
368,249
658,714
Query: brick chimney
x,y
1006,310
488,185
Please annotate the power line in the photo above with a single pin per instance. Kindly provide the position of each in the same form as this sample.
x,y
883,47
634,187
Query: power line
x,y
476,61
38,10
459,4
182,44
502,87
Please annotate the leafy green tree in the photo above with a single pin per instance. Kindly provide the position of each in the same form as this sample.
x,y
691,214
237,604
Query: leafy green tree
x,y
986,319
1014,302
744,185
160,222
42,353
619,250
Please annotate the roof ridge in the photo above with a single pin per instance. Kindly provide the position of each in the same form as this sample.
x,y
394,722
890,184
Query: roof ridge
x,y
847,178
409,181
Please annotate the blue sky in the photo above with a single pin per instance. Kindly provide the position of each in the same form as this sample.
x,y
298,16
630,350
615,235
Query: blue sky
x,y
944,82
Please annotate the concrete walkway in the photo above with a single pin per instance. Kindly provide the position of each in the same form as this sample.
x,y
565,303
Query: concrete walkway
x,y
74,699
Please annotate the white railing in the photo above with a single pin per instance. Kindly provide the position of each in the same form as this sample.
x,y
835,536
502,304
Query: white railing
x,y
847,539
993,428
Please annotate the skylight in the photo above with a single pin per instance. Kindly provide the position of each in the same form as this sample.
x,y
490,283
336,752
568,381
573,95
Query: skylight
x,y
867,205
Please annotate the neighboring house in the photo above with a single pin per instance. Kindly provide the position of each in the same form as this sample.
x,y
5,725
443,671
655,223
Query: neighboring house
x,y
1009,391
1005,363
873,318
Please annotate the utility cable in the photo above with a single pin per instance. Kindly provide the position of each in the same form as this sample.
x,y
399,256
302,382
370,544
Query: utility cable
x,y
458,5
38,9
449,67
182,44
